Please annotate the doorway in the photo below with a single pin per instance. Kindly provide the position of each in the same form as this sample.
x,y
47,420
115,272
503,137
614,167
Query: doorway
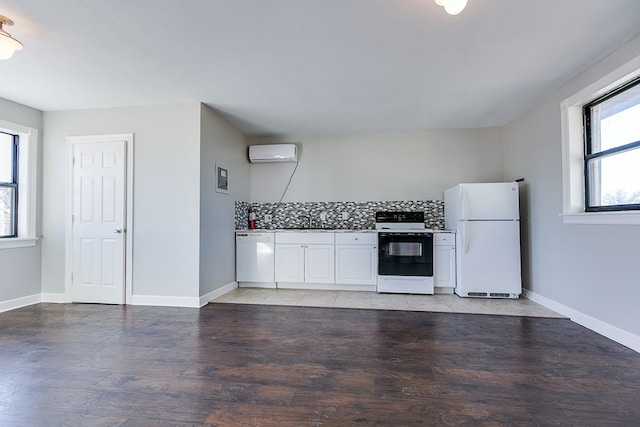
x,y
99,220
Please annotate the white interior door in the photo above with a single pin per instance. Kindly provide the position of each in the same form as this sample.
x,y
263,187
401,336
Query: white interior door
x,y
98,222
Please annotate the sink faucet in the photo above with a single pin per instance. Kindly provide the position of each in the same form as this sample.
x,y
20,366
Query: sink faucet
x,y
310,224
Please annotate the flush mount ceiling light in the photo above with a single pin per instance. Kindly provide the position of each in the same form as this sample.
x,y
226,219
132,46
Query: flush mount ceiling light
x,y
453,7
8,45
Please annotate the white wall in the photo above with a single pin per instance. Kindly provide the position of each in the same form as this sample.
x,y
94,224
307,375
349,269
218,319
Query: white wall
x,y
591,269
21,267
220,143
166,194
381,166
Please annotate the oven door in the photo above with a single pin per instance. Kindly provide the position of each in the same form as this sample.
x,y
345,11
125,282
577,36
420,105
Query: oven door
x,y
405,254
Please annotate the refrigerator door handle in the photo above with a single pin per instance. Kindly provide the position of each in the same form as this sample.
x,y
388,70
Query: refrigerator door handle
x,y
464,203
465,241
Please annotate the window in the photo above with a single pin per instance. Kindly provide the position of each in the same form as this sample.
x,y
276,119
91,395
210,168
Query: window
x,y
612,150
601,150
8,185
18,178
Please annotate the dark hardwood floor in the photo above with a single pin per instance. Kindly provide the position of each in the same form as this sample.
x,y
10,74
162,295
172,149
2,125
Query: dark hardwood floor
x,y
252,365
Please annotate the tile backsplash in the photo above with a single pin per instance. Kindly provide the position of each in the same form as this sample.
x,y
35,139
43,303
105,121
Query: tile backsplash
x,y
360,215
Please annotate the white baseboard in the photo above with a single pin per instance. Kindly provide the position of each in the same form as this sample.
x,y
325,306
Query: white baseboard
x,y
162,301
165,301
54,298
265,285
612,332
12,304
327,287
210,296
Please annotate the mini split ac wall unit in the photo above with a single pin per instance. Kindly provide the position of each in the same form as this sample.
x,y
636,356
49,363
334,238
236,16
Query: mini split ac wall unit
x,y
273,153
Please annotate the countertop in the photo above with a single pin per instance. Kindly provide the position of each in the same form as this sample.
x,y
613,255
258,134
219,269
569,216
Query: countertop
x,y
324,230
307,230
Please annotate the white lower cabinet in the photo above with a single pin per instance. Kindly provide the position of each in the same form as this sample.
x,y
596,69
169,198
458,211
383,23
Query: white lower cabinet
x,y
356,258
348,260
289,262
318,263
444,262
304,258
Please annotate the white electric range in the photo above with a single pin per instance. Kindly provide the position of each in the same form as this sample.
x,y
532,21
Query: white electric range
x,y
405,253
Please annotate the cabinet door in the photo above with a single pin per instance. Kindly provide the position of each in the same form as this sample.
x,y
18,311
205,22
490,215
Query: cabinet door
x,y
289,263
319,264
444,264
356,264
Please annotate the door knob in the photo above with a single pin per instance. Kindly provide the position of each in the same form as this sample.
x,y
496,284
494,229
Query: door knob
x,y
118,231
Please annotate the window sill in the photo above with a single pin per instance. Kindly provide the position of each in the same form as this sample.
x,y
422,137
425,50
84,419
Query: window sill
x,y
19,242
611,218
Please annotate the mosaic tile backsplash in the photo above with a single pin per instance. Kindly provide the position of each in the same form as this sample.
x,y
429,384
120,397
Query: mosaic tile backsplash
x,y
360,215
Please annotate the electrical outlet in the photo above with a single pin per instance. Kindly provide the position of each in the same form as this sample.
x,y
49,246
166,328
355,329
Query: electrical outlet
x,y
345,215
323,216
267,218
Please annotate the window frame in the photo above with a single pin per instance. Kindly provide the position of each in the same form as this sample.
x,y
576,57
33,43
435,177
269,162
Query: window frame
x,y
590,153
13,184
574,209
27,179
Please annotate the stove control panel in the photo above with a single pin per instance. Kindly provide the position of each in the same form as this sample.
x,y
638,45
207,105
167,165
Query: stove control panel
x,y
399,217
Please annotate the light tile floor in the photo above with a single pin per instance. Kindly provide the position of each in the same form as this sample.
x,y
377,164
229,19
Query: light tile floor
x,y
373,300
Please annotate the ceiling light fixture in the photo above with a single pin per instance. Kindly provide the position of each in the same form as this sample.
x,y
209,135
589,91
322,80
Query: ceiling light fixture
x,y
8,45
453,7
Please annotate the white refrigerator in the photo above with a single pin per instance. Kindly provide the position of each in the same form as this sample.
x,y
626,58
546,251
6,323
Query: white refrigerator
x,y
486,218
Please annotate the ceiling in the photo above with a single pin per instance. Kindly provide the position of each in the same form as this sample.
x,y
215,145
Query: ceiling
x,y
310,67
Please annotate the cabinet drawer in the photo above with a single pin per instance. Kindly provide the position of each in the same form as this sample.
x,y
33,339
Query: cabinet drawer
x,y
356,238
305,238
444,239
